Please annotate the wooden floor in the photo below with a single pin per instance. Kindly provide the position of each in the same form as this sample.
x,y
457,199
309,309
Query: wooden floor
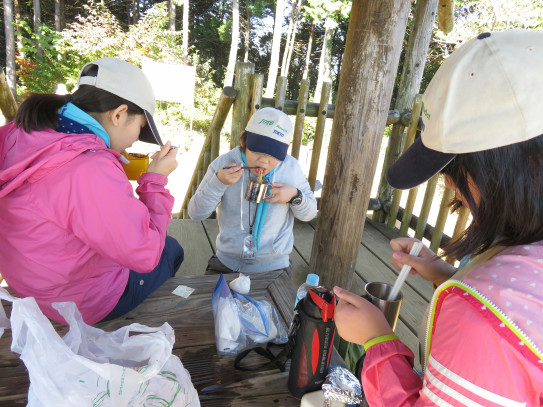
x,y
373,264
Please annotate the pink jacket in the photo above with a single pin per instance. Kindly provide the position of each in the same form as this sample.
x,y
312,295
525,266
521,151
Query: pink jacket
x,y
70,226
484,341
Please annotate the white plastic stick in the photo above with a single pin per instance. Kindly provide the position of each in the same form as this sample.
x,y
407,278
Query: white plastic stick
x,y
415,251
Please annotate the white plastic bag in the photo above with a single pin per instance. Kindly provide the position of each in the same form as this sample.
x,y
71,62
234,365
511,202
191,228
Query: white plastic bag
x,y
89,366
241,320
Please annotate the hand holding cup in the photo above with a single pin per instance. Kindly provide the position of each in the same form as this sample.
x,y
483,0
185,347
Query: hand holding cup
x,y
357,319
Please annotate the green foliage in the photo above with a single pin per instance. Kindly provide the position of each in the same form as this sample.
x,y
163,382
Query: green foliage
x,y
42,73
310,124
97,33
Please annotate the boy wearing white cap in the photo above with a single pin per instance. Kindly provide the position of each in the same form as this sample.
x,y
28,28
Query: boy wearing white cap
x,y
257,190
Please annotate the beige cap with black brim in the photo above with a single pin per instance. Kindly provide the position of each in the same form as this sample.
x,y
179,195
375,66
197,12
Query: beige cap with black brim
x,y
486,95
127,81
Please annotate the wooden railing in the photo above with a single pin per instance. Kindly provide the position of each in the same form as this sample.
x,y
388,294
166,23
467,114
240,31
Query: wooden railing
x,y
246,97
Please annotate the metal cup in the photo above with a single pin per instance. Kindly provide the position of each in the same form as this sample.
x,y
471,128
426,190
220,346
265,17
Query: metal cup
x,y
377,293
256,191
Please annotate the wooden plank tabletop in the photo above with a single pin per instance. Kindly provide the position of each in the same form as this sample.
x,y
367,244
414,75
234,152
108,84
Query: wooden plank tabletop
x,y
217,381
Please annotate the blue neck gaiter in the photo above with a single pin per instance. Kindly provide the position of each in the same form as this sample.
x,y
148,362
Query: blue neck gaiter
x,y
261,208
72,119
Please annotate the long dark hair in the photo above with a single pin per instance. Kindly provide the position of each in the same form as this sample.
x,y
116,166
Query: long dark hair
x,y
510,209
38,111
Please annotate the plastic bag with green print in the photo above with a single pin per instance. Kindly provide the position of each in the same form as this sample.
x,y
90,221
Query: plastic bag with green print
x,y
89,366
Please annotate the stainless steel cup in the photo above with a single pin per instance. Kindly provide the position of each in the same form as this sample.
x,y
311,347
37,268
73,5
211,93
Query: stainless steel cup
x,y
377,293
256,192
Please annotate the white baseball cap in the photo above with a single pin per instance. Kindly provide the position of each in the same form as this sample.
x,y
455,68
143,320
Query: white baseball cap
x,y
129,82
487,94
269,131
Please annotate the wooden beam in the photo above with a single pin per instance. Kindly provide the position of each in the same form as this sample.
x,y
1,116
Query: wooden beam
x,y
312,110
372,52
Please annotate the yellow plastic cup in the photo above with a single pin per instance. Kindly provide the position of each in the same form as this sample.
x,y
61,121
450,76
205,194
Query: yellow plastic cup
x,y
138,165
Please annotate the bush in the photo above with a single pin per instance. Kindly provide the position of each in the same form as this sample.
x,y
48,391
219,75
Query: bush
x,y
97,33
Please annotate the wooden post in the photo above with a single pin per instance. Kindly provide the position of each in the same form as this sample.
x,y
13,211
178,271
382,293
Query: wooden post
x,y
300,118
408,210
319,135
441,219
426,205
280,93
370,61
411,77
8,105
460,226
213,134
445,15
411,132
240,110
256,97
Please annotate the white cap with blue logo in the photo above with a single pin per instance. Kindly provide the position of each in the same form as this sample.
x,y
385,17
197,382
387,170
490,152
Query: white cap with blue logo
x,y
269,131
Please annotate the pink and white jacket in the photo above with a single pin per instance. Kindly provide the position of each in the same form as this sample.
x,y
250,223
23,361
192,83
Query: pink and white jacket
x,y
484,340
70,225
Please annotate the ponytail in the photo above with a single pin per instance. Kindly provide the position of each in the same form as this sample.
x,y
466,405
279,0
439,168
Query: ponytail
x,y
39,111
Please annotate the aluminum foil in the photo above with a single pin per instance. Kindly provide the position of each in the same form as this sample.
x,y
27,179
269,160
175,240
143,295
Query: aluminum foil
x,y
341,385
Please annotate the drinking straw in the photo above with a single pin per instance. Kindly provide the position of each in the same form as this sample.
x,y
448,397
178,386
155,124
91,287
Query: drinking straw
x,y
415,251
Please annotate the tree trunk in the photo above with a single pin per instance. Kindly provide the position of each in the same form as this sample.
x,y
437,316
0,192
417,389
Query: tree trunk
x,y
324,62
37,23
10,47
171,20
233,45
247,33
62,15
276,47
186,31
17,12
293,37
308,53
290,31
411,77
372,51
57,15
136,11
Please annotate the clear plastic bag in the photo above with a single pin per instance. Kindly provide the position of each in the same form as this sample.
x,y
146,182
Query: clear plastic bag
x,y
89,366
242,321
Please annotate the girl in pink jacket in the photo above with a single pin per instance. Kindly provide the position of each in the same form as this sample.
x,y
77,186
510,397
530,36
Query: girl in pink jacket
x,y
71,228
483,337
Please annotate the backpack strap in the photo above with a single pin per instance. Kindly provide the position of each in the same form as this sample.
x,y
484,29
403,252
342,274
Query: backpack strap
x,y
278,360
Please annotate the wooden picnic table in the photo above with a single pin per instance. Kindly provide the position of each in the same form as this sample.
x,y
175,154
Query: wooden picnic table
x,y
217,381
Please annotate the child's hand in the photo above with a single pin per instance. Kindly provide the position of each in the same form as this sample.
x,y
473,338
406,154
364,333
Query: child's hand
x,y
164,161
357,319
426,264
230,174
281,193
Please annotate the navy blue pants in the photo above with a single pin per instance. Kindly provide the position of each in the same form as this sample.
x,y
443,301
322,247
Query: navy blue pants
x,y
141,285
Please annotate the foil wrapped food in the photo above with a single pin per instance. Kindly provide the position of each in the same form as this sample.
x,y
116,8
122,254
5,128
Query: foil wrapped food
x,y
341,385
